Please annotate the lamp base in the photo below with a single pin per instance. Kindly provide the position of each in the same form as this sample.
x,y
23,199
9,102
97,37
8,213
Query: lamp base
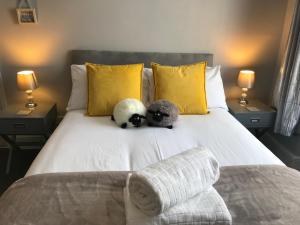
x,y
30,105
243,101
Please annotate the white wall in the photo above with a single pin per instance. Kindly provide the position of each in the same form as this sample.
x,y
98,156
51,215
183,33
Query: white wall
x,y
240,33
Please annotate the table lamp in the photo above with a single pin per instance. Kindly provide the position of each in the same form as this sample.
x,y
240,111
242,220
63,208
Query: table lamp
x,y
27,82
245,81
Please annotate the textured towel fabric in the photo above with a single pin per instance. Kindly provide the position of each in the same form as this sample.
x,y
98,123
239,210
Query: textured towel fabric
x,y
162,185
206,208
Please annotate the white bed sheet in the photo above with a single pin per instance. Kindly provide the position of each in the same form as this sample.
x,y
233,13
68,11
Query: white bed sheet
x,y
82,143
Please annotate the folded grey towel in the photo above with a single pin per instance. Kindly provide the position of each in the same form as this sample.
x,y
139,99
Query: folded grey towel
x,y
162,185
206,208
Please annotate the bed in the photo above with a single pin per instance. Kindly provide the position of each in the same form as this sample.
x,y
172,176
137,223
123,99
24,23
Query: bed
x,y
79,175
83,143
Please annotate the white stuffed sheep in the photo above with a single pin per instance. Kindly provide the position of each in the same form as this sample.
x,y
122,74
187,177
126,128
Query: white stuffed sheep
x,y
129,112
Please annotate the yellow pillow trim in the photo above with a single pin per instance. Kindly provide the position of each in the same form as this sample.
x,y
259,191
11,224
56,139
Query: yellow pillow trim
x,y
109,84
183,85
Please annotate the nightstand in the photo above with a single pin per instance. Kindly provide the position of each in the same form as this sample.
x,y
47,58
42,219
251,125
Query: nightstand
x,y
41,121
259,120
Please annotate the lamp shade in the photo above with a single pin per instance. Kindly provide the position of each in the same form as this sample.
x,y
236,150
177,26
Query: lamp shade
x,y
246,78
26,80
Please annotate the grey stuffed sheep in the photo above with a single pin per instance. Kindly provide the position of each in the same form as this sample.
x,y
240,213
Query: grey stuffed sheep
x,y
162,113
129,113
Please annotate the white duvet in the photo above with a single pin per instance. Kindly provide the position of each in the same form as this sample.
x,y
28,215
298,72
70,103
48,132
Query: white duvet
x,y
82,143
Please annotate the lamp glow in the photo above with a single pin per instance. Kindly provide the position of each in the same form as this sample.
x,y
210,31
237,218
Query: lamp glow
x,y
27,82
245,81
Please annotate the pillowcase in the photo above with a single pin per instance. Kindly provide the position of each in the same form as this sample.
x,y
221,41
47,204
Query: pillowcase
x,y
107,85
147,78
78,97
215,95
182,85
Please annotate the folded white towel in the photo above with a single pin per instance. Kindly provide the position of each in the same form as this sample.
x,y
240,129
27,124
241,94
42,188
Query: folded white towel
x,y
162,185
206,208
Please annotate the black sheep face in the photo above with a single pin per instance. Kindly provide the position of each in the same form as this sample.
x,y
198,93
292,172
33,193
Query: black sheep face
x,y
158,116
136,119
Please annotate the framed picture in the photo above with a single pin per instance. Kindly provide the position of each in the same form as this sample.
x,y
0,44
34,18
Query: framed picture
x,y
26,15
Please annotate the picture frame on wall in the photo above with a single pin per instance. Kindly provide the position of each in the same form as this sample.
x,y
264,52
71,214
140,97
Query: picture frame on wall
x,y
26,15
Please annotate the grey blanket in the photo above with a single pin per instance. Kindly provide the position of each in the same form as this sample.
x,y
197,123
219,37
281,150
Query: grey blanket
x,y
94,198
261,195
255,195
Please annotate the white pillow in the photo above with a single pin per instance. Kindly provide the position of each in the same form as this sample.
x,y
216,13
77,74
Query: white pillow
x,y
215,94
214,88
78,98
147,78
79,92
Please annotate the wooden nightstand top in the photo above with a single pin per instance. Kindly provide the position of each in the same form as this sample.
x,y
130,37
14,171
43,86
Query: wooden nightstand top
x,y
263,118
41,111
235,107
40,121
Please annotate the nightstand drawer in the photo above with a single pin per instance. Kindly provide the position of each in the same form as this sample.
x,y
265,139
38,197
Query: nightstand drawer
x,y
256,120
21,126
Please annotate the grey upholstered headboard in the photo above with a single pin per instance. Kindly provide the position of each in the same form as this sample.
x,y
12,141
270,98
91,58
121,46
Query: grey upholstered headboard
x,y
114,58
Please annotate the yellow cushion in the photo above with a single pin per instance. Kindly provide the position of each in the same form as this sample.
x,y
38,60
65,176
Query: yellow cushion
x,y
107,85
182,85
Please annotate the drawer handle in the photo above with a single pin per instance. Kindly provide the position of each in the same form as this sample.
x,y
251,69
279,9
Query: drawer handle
x,y
255,120
19,126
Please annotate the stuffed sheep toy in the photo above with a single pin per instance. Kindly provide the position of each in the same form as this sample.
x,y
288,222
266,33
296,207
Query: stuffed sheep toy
x,y
162,113
129,113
